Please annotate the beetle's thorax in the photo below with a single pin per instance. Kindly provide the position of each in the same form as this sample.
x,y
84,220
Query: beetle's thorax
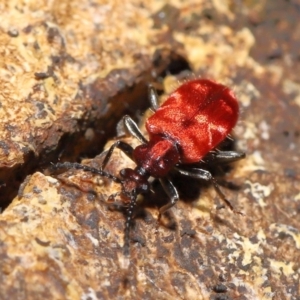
x,y
157,157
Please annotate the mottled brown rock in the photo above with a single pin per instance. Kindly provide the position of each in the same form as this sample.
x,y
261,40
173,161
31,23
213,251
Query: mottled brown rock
x,y
59,237
63,69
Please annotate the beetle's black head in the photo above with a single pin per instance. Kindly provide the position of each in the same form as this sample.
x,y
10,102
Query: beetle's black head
x,y
134,180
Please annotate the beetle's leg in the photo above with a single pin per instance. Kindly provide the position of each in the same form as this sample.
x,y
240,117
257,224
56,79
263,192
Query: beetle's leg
x,y
153,97
133,129
227,156
206,175
70,165
171,191
126,148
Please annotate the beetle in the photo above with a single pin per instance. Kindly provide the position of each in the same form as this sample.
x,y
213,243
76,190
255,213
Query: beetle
x,y
183,132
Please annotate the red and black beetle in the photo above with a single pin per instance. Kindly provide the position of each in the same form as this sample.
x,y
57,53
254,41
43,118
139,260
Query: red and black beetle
x,y
187,127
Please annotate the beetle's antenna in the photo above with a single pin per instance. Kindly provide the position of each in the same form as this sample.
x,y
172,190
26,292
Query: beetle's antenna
x,y
70,165
129,217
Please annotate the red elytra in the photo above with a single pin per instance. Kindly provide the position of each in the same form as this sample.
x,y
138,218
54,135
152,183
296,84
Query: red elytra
x,y
188,126
197,116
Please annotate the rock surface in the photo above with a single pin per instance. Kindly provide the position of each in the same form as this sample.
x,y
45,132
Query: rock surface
x,y
68,74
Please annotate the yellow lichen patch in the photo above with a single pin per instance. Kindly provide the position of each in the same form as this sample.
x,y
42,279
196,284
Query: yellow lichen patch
x,y
202,207
288,230
246,92
292,88
217,53
250,249
281,267
260,192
